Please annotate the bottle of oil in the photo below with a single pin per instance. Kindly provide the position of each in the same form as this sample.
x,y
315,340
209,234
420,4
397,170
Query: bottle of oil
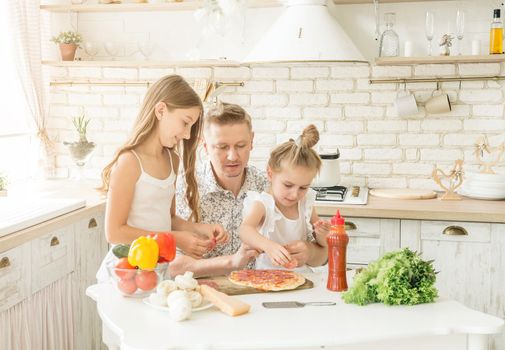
x,y
496,34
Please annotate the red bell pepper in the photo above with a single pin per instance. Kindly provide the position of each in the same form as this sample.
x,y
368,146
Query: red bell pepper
x,y
166,243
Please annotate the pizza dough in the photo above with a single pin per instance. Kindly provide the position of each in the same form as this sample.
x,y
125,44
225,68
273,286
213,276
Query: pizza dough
x,y
269,280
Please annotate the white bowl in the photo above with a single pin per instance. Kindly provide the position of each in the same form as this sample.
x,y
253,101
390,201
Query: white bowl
x,y
481,177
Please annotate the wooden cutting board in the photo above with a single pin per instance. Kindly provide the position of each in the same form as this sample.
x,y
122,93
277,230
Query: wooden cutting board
x,y
403,193
222,284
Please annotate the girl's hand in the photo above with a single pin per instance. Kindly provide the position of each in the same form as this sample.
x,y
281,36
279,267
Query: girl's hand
x,y
278,254
216,233
192,244
321,229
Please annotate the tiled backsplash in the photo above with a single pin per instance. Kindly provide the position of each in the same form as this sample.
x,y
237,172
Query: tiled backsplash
x,y
378,148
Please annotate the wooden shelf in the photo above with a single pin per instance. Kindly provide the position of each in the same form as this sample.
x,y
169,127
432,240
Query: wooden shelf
x,y
185,5
146,64
146,7
399,61
357,2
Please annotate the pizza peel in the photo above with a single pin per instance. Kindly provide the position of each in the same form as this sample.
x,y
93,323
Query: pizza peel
x,y
223,284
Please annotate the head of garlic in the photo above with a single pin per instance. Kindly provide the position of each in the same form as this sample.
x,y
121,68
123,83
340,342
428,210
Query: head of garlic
x,y
180,309
186,281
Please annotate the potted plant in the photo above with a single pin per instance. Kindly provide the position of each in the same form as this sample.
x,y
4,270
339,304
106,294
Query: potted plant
x,y
68,42
81,150
3,185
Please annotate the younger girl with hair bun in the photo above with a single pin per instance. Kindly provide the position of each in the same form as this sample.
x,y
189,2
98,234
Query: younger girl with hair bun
x,y
285,213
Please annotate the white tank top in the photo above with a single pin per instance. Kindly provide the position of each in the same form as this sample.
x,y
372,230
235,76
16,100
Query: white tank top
x,y
152,200
150,209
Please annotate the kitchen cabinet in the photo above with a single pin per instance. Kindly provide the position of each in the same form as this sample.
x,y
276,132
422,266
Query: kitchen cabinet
x,y
54,269
91,247
52,257
470,259
15,279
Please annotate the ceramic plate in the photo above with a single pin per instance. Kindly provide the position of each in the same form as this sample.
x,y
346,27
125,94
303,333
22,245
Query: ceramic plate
x,y
481,196
204,306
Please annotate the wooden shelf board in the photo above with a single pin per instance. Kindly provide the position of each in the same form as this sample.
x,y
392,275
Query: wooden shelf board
x,y
357,2
146,64
397,61
146,7
184,5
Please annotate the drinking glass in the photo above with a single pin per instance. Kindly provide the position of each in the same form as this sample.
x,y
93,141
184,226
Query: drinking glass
x,y
91,48
146,48
429,26
460,28
112,49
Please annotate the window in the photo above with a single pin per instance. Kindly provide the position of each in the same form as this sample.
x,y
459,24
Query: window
x,y
15,118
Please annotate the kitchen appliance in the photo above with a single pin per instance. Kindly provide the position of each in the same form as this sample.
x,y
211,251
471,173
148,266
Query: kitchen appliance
x,y
329,174
295,304
326,183
305,31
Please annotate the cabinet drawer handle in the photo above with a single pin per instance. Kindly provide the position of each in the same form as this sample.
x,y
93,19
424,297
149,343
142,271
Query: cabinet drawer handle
x,y
349,226
92,223
455,231
54,241
5,262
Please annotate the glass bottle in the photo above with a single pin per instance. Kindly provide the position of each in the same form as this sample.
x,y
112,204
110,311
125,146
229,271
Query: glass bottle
x,y
496,34
389,44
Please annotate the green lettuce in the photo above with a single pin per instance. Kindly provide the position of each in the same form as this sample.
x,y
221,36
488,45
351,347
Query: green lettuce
x,y
398,278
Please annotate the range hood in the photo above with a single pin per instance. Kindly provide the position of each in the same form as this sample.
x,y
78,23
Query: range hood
x,y
305,31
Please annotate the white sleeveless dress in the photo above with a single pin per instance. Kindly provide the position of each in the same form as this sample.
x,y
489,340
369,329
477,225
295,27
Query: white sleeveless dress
x,y
150,208
279,228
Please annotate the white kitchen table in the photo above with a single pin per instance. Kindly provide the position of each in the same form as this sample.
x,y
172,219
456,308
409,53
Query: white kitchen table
x,y
445,324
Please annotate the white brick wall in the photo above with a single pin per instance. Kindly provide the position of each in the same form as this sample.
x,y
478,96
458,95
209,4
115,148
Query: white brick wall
x,y
377,147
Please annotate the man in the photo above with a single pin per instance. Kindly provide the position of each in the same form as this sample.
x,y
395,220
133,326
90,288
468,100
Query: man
x,y
223,183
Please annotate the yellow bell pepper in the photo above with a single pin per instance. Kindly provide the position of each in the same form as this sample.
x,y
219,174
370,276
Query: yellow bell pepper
x,y
144,253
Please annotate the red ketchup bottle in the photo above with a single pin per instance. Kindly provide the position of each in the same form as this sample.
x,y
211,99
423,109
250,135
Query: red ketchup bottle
x,y
337,247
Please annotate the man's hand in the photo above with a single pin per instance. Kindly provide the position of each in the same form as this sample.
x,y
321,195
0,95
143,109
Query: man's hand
x,y
192,244
241,258
299,251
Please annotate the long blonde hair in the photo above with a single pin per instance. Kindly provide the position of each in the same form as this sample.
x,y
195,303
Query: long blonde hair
x,y
299,152
176,93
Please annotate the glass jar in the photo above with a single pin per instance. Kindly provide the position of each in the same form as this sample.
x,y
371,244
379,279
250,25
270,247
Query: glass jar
x,y
389,44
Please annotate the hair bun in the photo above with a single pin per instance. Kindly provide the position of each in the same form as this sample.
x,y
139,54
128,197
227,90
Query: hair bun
x,y
309,137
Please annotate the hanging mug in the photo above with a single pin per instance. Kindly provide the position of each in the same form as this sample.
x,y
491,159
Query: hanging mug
x,y
439,102
405,104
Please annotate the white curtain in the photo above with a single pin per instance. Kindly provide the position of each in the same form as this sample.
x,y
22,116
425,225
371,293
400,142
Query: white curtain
x,y
44,321
25,25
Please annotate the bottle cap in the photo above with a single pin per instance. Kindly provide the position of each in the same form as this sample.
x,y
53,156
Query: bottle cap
x,y
337,219
496,13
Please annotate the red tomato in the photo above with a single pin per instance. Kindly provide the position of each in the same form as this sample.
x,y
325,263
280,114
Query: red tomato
x,y
123,264
127,286
146,280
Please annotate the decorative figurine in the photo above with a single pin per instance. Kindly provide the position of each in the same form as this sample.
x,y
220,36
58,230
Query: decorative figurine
x,y
445,43
455,178
481,147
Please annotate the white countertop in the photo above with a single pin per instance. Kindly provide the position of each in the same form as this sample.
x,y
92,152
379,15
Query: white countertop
x,y
141,327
